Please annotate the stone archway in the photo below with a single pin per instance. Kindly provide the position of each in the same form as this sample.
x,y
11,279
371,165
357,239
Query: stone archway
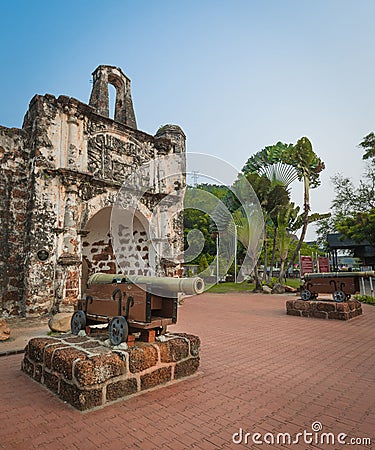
x,y
132,256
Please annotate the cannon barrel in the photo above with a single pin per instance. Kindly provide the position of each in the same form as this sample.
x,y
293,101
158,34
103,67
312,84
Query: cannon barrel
x,y
188,286
310,276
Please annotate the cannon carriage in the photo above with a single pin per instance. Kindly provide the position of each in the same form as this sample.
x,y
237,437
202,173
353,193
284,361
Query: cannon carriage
x,y
342,285
131,304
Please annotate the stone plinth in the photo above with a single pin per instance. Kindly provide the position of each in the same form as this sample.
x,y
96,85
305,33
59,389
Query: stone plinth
x,y
86,374
324,309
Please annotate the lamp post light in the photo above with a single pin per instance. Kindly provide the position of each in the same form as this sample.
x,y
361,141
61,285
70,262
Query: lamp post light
x,y
235,253
217,258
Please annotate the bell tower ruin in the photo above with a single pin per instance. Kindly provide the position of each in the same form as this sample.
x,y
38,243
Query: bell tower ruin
x,y
124,111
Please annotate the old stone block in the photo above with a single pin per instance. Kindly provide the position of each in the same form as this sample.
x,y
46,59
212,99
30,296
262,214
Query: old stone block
x,y
353,305
38,372
326,306
173,350
142,358
79,398
4,330
63,360
334,315
51,381
301,305
36,346
195,342
76,339
344,316
48,353
319,314
342,307
186,368
90,344
306,313
28,367
121,388
293,312
158,376
355,313
289,304
98,369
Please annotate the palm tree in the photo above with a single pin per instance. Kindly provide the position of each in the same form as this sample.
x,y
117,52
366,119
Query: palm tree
x,y
308,166
286,217
285,163
269,163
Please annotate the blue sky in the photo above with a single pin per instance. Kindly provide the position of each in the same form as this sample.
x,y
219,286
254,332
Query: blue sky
x,y
235,75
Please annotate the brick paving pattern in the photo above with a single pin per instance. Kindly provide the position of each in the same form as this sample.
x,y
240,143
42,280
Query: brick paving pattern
x,y
261,370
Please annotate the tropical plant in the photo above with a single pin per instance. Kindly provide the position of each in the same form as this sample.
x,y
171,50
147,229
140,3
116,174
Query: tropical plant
x,y
286,217
308,166
283,164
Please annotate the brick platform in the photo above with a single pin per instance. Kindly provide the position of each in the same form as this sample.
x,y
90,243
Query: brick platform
x,y
84,373
324,309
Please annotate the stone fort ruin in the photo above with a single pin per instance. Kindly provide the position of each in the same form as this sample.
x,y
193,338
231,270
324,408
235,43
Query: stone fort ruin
x,y
60,175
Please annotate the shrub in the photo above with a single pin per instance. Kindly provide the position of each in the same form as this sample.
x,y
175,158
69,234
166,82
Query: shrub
x,y
365,299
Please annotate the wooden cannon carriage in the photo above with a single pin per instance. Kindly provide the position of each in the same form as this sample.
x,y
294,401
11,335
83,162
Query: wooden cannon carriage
x,y
131,304
340,284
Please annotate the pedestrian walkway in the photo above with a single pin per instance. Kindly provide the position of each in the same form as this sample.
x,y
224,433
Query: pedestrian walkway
x,y
261,371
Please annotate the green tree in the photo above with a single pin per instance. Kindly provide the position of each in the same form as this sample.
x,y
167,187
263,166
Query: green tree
x,y
352,210
359,226
368,144
203,263
286,217
308,166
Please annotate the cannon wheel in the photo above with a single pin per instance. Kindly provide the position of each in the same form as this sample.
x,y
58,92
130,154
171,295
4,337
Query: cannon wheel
x,y
306,294
339,296
118,330
78,322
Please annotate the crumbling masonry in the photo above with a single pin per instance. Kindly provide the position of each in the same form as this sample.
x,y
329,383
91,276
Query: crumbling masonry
x,y
60,175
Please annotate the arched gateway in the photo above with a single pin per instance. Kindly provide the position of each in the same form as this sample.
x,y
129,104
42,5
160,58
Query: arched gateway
x,y
59,179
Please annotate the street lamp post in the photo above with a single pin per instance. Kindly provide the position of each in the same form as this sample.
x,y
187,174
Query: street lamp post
x,y
235,253
217,258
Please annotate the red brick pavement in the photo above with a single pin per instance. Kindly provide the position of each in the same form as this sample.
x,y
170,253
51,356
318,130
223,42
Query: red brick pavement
x,y
261,370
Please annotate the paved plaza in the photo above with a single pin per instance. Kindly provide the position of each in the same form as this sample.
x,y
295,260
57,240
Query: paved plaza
x,y
261,371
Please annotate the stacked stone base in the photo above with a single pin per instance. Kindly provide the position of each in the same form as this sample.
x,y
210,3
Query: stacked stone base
x,y
324,309
84,373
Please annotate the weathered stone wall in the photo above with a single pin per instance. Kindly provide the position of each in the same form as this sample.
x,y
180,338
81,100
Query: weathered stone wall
x,y
324,309
85,374
63,168
14,206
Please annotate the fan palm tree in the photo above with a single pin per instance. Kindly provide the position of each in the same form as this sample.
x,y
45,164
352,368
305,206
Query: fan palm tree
x,y
285,163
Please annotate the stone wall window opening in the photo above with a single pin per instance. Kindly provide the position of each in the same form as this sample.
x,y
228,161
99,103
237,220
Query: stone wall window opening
x,y
112,96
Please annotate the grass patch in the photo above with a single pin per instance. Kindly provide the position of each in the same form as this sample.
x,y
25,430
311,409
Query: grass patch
x,y
365,299
222,288
293,282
